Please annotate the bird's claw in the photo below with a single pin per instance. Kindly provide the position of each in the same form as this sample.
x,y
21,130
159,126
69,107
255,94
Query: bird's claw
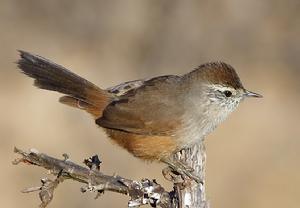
x,y
184,172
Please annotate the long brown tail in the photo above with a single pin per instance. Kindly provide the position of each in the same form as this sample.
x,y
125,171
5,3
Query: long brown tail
x,y
79,92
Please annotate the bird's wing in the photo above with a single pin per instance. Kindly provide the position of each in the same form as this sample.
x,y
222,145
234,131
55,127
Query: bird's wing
x,y
151,108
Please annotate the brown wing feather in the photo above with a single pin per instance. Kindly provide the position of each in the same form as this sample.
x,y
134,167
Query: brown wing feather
x,y
145,110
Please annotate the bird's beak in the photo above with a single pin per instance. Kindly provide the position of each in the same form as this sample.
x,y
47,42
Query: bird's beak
x,y
252,94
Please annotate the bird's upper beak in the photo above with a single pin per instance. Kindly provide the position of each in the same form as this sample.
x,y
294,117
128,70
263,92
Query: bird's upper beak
x,y
248,93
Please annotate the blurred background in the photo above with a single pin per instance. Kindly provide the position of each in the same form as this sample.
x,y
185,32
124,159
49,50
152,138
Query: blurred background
x,y
253,159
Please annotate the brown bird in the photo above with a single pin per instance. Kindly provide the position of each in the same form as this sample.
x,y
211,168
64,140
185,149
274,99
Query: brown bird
x,y
150,118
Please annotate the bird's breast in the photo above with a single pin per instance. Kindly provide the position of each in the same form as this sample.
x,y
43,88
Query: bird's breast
x,y
195,127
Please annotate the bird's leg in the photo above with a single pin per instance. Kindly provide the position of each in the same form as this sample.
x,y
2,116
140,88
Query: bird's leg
x,y
181,169
173,176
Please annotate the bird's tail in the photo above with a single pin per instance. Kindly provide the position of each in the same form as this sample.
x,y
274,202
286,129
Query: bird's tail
x,y
79,92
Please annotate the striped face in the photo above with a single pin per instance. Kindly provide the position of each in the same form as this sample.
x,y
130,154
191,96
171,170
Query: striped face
x,y
224,96
222,100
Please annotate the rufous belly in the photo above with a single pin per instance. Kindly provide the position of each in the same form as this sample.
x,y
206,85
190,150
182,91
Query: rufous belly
x,y
146,147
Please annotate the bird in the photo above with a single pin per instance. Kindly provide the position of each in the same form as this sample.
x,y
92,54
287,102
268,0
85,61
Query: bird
x,y
151,118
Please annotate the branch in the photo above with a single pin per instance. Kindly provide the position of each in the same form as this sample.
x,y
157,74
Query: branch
x,y
141,193
192,194
186,193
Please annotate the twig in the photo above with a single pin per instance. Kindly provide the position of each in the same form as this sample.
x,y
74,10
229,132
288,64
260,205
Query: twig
x,y
143,192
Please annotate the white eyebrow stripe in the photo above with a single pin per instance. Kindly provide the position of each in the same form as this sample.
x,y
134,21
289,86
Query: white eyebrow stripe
x,y
221,87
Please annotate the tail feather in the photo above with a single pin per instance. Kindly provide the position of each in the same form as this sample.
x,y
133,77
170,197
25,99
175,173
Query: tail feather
x,y
51,76
76,103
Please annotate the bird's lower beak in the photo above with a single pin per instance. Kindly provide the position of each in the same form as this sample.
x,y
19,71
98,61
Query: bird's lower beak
x,y
252,94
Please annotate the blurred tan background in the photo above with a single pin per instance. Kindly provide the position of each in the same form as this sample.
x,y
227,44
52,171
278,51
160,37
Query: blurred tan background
x,y
253,158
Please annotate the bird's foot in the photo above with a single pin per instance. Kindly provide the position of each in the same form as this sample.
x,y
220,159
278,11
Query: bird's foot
x,y
177,172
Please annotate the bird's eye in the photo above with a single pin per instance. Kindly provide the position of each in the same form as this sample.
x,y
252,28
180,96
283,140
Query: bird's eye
x,y
227,93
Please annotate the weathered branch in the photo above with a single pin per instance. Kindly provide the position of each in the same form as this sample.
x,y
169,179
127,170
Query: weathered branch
x,y
186,194
193,194
144,192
